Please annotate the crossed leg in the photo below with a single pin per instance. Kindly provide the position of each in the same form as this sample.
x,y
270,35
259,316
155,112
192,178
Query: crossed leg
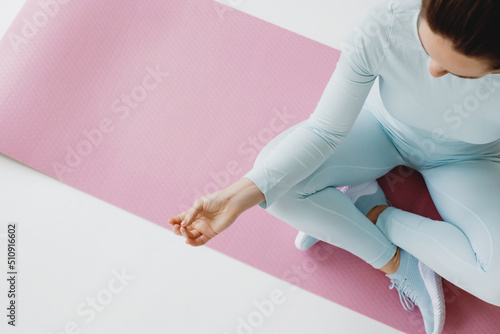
x,y
465,247
462,248
317,208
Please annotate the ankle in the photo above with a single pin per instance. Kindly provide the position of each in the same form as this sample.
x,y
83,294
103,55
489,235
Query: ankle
x,y
393,265
375,212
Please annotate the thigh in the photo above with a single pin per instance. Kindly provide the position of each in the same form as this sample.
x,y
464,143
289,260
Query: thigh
x,y
467,195
365,154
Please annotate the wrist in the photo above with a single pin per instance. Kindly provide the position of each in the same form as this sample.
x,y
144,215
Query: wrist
x,y
242,195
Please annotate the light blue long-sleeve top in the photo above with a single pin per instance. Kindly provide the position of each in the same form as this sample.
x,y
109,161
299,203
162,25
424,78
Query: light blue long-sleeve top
x,y
461,113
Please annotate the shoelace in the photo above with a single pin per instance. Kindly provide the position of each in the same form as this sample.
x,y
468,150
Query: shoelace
x,y
406,301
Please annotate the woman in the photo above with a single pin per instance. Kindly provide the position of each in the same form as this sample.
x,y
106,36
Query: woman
x,y
437,110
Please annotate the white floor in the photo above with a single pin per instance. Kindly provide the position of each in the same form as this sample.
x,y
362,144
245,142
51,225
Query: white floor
x,y
85,266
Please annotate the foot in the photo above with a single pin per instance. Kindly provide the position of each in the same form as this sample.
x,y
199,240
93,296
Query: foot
x,y
355,191
418,285
304,241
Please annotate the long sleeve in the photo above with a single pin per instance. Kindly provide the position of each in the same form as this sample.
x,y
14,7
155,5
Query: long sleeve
x,y
312,142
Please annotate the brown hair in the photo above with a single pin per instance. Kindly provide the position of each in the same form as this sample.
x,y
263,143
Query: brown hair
x,y
473,26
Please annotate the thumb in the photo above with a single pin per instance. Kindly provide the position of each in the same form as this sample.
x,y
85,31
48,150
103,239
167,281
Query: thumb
x,y
192,212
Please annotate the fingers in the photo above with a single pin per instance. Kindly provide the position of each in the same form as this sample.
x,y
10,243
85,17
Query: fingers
x,y
192,212
201,240
182,225
177,219
193,237
206,230
187,217
176,230
190,233
193,234
187,232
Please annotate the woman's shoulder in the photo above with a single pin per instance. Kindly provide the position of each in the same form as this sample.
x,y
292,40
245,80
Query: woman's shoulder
x,y
381,11
373,29
396,6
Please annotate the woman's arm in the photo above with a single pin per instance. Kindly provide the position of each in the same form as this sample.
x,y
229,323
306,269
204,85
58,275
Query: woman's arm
x,y
311,143
243,194
213,213
303,150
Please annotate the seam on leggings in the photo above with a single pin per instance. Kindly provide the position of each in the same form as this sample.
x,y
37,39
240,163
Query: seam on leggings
x,y
436,240
483,265
359,167
304,194
401,158
357,227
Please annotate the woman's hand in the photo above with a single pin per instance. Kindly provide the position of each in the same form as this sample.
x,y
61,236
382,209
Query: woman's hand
x,y
210,215
213,213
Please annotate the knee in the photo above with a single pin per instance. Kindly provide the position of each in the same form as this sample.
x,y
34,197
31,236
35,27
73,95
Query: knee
x,y
287,201
491,289
264,152
495,299
495,290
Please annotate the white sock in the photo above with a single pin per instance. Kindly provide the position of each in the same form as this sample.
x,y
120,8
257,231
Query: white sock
x,y
366,196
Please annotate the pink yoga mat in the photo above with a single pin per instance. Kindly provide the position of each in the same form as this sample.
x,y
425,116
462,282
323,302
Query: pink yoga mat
x,y
149,104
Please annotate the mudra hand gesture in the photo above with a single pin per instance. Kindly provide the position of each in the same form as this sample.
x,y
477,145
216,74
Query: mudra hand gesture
x,y
213,213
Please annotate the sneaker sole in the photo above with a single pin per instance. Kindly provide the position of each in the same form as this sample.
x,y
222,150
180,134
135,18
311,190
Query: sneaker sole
x,y
434,286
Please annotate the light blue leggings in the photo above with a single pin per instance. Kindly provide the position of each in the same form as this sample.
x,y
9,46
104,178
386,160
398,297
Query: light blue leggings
x,y
464,249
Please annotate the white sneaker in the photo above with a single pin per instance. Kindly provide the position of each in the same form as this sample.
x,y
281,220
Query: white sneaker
x,y
304,241
418,285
